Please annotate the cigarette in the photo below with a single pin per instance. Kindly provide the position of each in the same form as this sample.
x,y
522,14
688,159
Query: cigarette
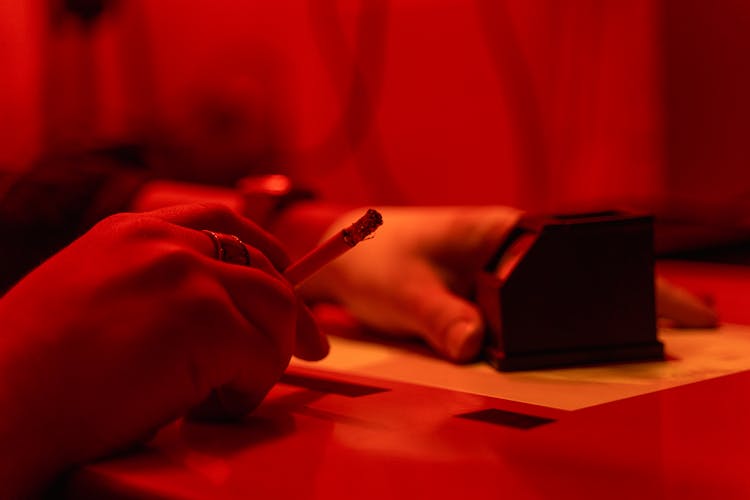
x,y
339,243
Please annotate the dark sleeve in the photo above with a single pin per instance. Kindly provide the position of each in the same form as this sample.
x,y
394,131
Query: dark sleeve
x,y
47,207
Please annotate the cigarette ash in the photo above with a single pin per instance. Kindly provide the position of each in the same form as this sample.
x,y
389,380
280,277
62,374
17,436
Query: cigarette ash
x,y
362,228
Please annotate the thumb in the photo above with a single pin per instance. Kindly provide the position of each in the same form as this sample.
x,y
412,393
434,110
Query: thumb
x,y
450,324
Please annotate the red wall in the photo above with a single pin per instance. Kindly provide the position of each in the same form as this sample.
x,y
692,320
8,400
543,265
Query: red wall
x,y
536,104
20,35
542,104
707,98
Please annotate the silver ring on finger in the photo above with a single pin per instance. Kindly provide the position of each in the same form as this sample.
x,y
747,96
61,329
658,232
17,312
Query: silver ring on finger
x,y
229,248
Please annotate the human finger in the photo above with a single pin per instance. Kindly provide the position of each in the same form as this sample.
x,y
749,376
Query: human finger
x,y
310,343
307,341
221,219
682,308
265,319
276,324
449,323
253,373
249,354
454,328
229,249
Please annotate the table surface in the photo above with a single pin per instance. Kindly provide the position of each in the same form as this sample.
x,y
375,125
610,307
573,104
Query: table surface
x,y
378,421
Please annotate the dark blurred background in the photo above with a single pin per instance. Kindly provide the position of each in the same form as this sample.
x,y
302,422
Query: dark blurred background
x,y
542,104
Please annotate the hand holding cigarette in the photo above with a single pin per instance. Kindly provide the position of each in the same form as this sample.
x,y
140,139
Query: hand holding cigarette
x,y
335,246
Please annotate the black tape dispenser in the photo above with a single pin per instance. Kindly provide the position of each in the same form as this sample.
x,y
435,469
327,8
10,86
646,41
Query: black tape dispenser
x,y
571,289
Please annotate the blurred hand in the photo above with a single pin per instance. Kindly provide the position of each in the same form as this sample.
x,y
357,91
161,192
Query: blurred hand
x,y
678,308
414,277
135,324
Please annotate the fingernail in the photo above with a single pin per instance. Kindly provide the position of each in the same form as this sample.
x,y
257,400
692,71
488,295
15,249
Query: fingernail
x,y
463,339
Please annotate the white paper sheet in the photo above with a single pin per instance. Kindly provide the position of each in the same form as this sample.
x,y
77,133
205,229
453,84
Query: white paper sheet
x,y
693,355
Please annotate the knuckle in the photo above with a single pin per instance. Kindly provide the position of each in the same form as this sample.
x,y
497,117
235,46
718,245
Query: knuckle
x,y
116,220
219,212
133,226
172,264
